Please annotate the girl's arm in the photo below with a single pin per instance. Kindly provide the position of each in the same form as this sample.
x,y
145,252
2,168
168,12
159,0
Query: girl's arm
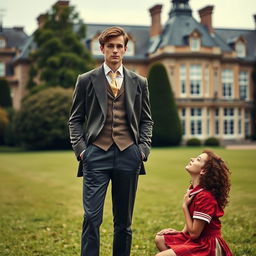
x,y
193,226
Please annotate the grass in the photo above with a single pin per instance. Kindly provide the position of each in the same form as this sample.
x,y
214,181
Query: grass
x,y
41,202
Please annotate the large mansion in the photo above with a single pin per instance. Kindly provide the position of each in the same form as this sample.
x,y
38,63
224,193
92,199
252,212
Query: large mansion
x,y
210,69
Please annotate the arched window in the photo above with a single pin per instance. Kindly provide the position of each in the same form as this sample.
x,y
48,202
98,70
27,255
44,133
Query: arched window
x,y
195,41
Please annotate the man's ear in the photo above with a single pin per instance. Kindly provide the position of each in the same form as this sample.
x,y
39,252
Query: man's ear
x,y
202,172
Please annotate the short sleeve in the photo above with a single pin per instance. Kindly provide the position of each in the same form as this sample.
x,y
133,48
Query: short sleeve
x,y
205,206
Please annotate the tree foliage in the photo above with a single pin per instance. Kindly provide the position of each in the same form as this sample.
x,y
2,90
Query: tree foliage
x,y
5,94
167,127
60,55
42,121
3,124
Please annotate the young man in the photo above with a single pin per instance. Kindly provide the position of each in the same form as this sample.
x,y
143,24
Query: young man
x,y
110,129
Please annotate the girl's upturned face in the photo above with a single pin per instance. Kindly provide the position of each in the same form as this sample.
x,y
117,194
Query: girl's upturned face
x,y
195,165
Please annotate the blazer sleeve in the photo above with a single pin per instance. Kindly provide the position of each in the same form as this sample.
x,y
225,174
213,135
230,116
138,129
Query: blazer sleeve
x,y
146,122
77,118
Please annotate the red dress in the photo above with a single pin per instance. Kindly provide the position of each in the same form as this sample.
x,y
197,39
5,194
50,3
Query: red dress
x,y
204,207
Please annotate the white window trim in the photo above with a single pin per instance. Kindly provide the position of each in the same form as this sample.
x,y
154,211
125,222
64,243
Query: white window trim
x,y
227,81
194,78
196,118
183,77
195,47
229,118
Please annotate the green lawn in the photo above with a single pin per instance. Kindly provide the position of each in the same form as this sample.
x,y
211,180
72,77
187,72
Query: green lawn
x,y
41,209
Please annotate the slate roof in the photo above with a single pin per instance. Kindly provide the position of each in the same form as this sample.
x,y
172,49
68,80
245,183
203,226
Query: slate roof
x,y
249,35
15,37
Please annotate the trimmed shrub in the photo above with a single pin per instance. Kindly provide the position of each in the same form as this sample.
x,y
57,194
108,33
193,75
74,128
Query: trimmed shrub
x,y
212,141
42,121
3,124
167,127
194,142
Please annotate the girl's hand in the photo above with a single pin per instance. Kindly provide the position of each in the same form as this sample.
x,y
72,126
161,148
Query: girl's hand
x,y
187,199
167,231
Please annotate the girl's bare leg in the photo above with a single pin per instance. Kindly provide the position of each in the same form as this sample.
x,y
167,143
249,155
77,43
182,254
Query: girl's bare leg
x,y
168,252
160,243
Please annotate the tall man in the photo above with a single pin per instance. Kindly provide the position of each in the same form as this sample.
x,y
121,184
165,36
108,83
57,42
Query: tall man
x,y
110,129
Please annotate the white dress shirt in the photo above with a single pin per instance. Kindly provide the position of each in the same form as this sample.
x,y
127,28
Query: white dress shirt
x,y
119,75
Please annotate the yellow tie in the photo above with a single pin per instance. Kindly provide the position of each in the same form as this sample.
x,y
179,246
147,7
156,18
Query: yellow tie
x,y
113,83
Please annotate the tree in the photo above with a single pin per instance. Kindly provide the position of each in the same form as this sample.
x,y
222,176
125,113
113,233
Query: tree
x,y
5,94
167,126
3,124
60,55
41,122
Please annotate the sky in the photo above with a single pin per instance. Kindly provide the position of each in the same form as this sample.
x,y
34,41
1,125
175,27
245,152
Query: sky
x,y
226,14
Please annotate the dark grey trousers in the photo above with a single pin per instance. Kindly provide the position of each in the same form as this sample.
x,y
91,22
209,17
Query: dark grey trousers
x,y
99,167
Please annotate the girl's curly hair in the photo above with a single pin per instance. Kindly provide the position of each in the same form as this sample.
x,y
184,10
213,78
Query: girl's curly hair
x,y
216,178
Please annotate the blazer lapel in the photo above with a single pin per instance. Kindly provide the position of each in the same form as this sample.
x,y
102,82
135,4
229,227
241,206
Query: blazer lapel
x,y
130,91
100,87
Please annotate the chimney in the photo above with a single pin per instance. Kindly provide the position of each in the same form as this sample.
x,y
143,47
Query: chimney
x,y
20,29
254,17
206,17
156,27
41,20
62,3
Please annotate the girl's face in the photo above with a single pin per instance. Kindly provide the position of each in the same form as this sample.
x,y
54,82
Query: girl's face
x,y
195,165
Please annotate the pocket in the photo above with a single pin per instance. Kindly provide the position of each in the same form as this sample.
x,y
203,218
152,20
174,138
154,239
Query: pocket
x,y
138,152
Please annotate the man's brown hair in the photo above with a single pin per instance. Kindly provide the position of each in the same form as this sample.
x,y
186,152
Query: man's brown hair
x,y
113,32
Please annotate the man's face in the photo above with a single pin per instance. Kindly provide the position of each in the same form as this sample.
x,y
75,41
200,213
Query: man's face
x,y
114,50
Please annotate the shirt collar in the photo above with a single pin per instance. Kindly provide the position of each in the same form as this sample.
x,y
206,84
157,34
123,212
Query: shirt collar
x,y
107,69
195,190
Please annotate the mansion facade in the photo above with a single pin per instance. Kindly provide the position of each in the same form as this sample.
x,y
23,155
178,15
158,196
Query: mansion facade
x,y
210,69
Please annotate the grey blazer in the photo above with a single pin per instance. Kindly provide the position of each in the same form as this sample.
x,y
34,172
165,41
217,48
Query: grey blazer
x,y
89,110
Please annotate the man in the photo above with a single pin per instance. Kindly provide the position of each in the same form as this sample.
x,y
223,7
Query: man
x,y
110,129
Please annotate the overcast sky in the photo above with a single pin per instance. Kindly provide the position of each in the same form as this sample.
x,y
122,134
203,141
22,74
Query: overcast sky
x,y
227,13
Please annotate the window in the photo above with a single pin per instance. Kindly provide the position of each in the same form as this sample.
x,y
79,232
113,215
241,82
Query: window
x,y
194,44
227,83
239,122
130,48
208,121
247,124
240,49
206,80
183,121
2,43
217,126
228,121
196,121
2,69
243,85
183,79
95,47
195,80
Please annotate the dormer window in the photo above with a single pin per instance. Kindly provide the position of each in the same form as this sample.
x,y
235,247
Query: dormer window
x,y
240,49
195,41
95,47
130,48
194,44
2,43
